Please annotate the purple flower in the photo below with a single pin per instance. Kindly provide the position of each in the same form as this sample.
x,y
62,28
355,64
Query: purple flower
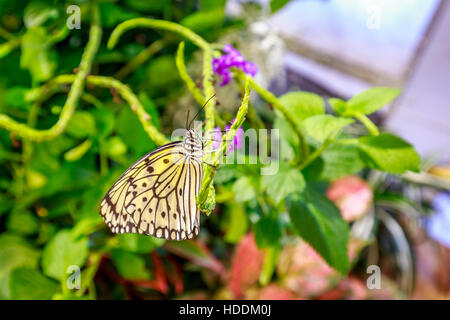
x,y
237,140
232,58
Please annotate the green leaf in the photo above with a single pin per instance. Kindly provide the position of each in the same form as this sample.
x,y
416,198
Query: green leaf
x,y
236,223
303,104
276,5
150,107
5,203
244,189
113,14
81,125
202,21
288,138
318,221
336,161
338,105
105,120
389,153
131,132
38,12
372,100
130,265
149,6
36,55
80,150
62,251
115,147
211,4
30,284
87,225
16,97
14,252
162,65
323,126
138,243
286,181
268,231
23,222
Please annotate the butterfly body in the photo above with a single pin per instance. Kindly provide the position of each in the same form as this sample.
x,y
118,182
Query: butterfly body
x,y
157,195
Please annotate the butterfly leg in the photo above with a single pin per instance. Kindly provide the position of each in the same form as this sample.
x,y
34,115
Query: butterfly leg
x,y
209,164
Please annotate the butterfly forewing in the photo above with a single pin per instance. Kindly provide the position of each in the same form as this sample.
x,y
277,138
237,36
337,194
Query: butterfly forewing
x,y
157,195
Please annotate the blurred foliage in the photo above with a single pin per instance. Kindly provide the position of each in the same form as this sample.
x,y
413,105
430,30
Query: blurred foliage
x,y
51,189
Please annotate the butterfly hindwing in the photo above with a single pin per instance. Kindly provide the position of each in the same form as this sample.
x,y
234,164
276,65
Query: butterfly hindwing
x,y
156,196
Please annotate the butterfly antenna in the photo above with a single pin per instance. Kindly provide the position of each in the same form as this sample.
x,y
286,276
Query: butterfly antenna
x,y
198,112
187,120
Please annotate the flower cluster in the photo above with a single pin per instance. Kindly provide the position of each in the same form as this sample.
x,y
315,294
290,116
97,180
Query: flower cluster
x,y
237,140
232,58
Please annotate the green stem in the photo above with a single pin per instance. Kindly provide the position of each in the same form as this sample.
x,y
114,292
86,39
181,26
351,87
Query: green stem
x,y
5,34
125,92
218,155
181,66
74,94
7,47
105,82
140,59
156,24
313,156
208,89
371,127
272,99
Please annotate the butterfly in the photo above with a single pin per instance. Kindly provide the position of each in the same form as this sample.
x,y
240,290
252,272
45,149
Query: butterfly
x,y
157,195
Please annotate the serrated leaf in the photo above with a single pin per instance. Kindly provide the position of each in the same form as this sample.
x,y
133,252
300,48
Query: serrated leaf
x,y
323,126
244,189
318,221
336,161
286,181
372,100
30,284
62,251
287,138
389,153
303,104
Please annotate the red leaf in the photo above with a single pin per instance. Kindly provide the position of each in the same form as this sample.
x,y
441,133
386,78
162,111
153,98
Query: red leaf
x,y
246,265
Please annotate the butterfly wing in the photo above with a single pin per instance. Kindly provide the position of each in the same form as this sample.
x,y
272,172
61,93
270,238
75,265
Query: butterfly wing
x,y
156,196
